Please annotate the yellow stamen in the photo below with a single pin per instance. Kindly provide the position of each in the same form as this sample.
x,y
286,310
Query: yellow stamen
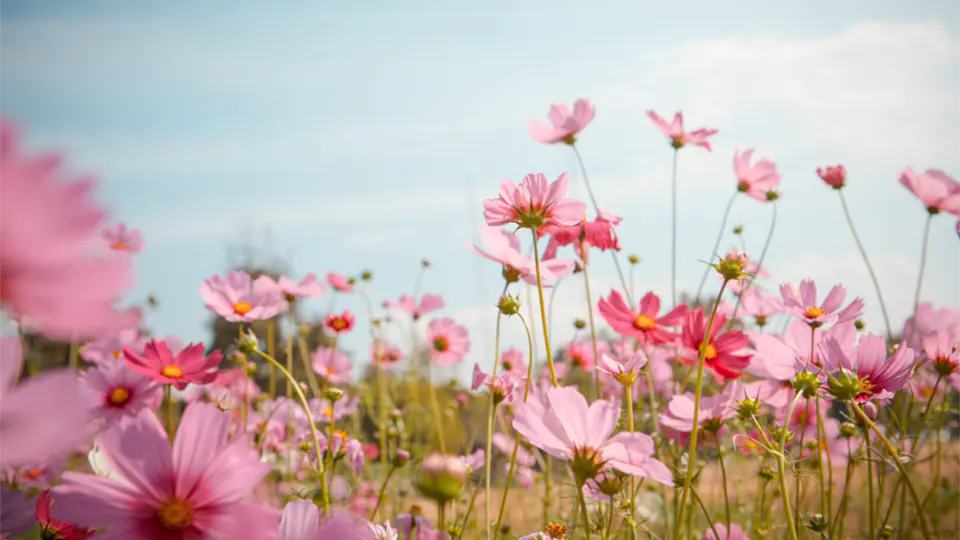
x,y
710,352
172,372
644,322
814,312
175,514
119,396
33,474
242,308
119,246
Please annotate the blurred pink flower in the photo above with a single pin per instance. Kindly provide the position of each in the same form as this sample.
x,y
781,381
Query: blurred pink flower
x,y
109,347
599,233
504,248
449,341
119,238
942,351
512,360
188,366
714,410
36,475
52,528
579,353
17,513
386,354
332,365
735,533
308,287
339,324
428,304
301,521
48,227
534,203
239,298
195,490
565,126
802,304
835,176
339,282
643,324
121,392
678,137
937,191
44,417
755,179
929,320
759,304
505,444
503,387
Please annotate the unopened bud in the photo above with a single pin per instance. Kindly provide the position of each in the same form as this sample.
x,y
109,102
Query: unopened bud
x,y
845,385
767,473
732,266
426,263
396,414
441,477
817,523
779,432
579,324
870,410
748,408
333,395
366,275
248,342
738,229
859,324
886,532
772,195
847,430
401,458
633,259
807,383
509,305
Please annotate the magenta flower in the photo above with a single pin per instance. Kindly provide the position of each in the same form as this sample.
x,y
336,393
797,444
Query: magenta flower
x,y
714,410
188,366
643,325
121,392
880,377
449,341
937,191
339,282
834,177
678,137
755,179
44,417
301,521
109,347
239,298
308,287
626,372
942,351
194,490
428,304
339,324
504,248
804,305
735,532
564,426
332,365
385,354
534,203
565,126
600,233
119,238
48,227
52,528
724,353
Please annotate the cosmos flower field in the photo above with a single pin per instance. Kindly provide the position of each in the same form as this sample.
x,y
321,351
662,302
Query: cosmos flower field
x,y
765,411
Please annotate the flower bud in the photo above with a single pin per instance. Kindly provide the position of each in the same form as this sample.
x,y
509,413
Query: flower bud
x,y
366,275
633,259
441,477
859,324
844,386
886,532
248,342
779,432
333,395
579,324
401,458
767,473
732,265
396,414
509,305
609,483
738,229
773,195
510,274
848,430
870,410
817,523
835,176
806,383
352,281
748,408
426,263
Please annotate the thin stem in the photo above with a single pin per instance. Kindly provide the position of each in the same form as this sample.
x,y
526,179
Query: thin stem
x,y
923,265
305,358
168,397
698,392
763,255
863,253
383,490
782,469
716,245
490,421
723,474
466,515
629,396
436,408
838,516
271,348
543,311
74,356
899,464
593,328
823,448
246,395
706,514
441,516
583,507
330,438
871,518
673,230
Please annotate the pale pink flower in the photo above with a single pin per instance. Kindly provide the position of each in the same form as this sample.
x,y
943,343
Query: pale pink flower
x,y
802,304
239,298
449,341
512,360
121,392
195,490
323,410
119,238
503,387
17,513
834,176
48,230
36,475
735,532
760,305
109,347
755,179
937,191
331,364
428,304
564,426
565,125
942,352
534,203
714,410
505,445
44,417
339,282
301,521
189,366
880,376
579,354
474,462
929,320
308,287
678,137
385,354
625,372
504,248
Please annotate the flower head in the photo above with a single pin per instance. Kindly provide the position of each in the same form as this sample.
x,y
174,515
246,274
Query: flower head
x,y
643,324
301,521
534,203
757,303
755,179
600,233
119,238
52,528
504,247
579,353
385,354
735,532
835,176
878,376
332,365
109,347
339,324
448,340
723,353
188,366
804,305
120,391
308,287
714,410
512,361
565,125
626,372
678,137
942,351
937,191
502,387
339,282
428,304
239,298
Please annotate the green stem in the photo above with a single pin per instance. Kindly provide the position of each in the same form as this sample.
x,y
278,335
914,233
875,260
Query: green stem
x,y
543,311
593,328
168,397
837,522
706,514
466,515
383,490
271,348
782,469
330,438
633,494
673,230
863,253
869,462
583,507
436,408
923,265
763,255
74,357
716,245
490,421
723,474
305,358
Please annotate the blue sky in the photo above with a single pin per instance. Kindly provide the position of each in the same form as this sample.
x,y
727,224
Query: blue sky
x,y
366,137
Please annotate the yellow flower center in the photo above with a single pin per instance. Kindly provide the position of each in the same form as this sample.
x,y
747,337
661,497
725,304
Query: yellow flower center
x,y
116,355
556,531
119,396
710,352
866,387
172,372
175,514
644,322
33,474
338,324
678,142
119,246
328,412
440,344
242,308
814,312
330,372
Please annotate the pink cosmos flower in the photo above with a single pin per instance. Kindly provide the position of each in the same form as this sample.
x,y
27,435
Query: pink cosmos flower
x,y
565,126
301,521
835,176
121,392
189,366
428,304
929,320
643,324
880,377
109,347
308,287
323,410
626,372
449,341
474,461
239,298
339,282
504,248
504,445
580,353
735,532
48,226
332,365
194,490
724,354
504,387
534,203
385,354
599,233
756,179
564,426
804,305
512,360
119,238
937,191
17,514
759,304
36,475
678,137
45,416
942,351
714,410
52,528
339,324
